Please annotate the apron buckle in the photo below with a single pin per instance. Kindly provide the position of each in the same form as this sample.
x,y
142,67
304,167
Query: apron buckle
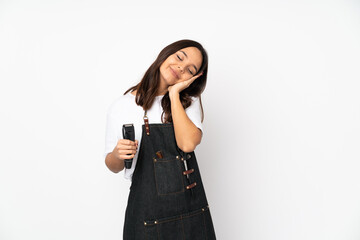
x,y
188,172
191,185
146,121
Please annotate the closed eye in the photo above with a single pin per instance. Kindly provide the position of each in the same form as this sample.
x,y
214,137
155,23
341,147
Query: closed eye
x,y
181,60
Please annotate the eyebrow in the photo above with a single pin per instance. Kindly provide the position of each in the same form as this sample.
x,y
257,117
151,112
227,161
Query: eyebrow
x,y
187,56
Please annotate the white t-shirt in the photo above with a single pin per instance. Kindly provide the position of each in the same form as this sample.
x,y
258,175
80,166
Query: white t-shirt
x,y
124,110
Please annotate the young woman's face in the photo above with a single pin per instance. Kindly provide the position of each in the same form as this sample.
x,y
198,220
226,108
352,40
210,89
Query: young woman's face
x,y
181,66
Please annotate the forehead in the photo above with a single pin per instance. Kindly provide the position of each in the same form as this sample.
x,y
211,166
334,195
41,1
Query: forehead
x,y
194,55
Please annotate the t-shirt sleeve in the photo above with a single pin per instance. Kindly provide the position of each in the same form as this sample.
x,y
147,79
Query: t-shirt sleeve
x,y
111,131
194,113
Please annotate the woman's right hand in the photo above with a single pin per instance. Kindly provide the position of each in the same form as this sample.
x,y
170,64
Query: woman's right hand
x,y
124,147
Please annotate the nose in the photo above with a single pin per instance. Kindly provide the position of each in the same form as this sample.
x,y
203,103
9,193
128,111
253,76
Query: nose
x,y
180,68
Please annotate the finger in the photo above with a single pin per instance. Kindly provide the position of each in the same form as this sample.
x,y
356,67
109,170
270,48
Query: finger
x,y
126,152
199,75
190,81
126,147
127,156
127,142
196,76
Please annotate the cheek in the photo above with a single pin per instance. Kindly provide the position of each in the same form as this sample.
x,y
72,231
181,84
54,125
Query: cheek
x,y
164,69
170,61
165,66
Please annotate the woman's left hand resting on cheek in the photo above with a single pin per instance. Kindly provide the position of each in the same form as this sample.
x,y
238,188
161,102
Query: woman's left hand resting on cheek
x,y
178,87
187,135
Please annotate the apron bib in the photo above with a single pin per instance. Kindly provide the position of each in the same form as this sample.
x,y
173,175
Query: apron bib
x,y
167,200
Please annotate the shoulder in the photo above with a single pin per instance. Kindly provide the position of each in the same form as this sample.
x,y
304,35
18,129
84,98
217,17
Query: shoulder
x,y
195,101
121,103
195,105
193,98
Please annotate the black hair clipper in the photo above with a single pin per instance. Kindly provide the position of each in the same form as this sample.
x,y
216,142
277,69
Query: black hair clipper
x,y
128,133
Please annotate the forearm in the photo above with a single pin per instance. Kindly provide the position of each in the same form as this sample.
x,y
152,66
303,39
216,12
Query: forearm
x,y
114,164
187,135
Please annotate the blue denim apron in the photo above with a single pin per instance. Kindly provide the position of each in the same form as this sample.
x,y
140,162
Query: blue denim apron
x,y
167,198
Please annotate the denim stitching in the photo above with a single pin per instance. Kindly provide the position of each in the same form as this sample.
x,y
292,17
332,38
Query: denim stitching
x,y
177,217
172,160
146,235
157,190
171,220
182,224
205,225
157,229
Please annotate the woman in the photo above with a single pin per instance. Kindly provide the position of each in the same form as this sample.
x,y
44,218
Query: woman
x,y
167,199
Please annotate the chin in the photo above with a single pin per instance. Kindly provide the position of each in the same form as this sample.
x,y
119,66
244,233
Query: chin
x,y
169,80
173,82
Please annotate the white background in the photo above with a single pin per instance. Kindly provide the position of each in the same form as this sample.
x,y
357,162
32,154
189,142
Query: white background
x,y
280,153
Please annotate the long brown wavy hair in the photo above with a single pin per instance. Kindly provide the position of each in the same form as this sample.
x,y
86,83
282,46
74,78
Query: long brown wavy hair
x,y
148,86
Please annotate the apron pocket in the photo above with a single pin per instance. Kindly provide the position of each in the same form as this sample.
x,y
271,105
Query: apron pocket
x,y
168,176
190,225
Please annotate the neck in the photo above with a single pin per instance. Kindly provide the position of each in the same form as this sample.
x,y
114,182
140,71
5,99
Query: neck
x,y
163,88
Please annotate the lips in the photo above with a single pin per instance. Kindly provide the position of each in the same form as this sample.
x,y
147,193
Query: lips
x,y
174,73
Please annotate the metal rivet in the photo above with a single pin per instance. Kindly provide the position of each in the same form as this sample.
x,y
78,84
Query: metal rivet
x,y
144,223
187,187
156,222
203,209
177,157
182,159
